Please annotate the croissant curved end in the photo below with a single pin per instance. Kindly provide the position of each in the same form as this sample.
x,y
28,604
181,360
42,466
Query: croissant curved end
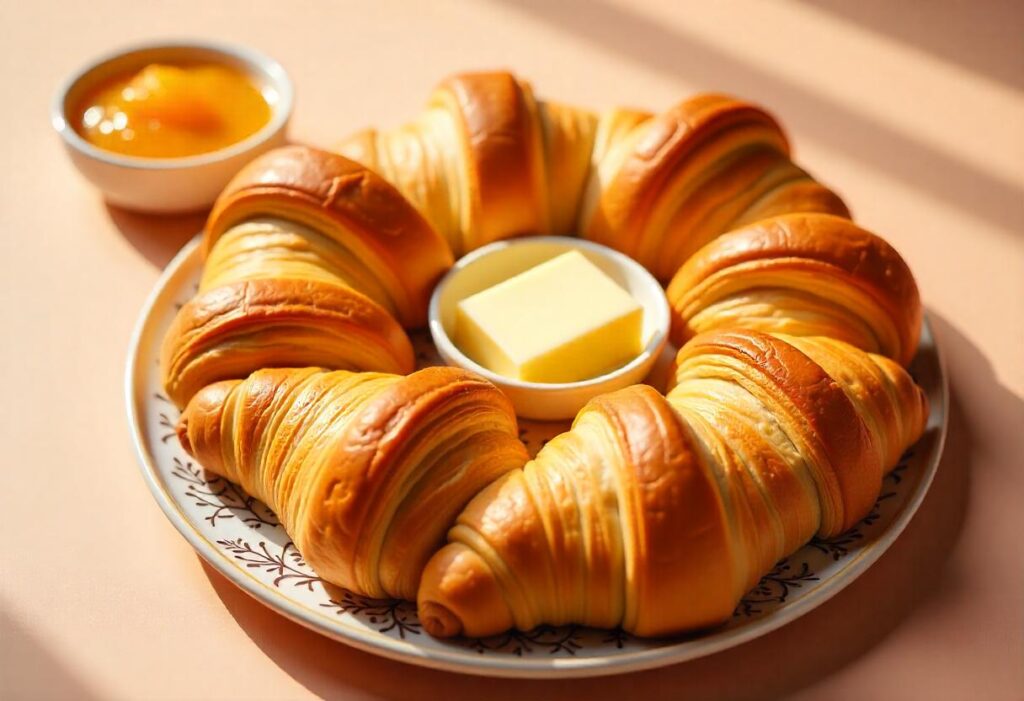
x,y
438,620
182,431
460,595
198,428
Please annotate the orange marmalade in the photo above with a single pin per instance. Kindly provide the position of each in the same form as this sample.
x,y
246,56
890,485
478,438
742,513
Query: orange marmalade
x,y
172,111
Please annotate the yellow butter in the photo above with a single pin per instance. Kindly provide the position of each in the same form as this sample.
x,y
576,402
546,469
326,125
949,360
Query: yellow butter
x,y
561,321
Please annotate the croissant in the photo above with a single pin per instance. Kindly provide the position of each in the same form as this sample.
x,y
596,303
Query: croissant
x,y
657,514
486,160
804,275
311,260
364,470
670,183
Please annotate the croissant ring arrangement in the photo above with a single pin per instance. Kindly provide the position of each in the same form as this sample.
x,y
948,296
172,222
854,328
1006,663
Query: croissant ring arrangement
x,y
654,512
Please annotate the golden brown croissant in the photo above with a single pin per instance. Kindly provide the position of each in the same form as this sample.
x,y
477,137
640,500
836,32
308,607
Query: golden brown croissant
x,y
672,182
311,260
364,470
805,275
657,514
486,160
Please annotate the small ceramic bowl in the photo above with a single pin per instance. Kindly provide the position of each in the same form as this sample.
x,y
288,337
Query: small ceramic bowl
x,y
171,184
487,266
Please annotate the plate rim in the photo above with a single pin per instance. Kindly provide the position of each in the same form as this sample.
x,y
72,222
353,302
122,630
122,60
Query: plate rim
x,y
468,662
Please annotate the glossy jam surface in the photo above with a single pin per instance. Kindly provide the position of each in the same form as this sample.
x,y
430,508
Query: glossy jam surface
x,y
168,111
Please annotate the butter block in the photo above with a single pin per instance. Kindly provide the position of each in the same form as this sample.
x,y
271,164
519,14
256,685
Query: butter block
x,y
562,321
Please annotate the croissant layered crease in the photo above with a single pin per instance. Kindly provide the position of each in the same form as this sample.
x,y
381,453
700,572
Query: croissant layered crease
x,y
487,160
364,470
311,260
803,275
657,513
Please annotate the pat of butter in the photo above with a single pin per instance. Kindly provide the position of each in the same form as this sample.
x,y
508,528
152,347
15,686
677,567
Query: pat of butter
x,y
561,321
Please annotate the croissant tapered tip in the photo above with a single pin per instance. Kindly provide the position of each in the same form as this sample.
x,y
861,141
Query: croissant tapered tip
x,y
182,430
198,428
439,620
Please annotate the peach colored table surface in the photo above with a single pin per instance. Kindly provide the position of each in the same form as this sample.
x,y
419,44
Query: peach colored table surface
x,y
914,113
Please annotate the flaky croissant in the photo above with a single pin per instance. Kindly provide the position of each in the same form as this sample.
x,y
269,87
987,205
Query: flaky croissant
x,y
804,275
486,160
311,260
364,470
666,185
657,514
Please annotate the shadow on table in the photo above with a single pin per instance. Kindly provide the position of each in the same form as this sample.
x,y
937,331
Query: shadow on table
x,y
793,657
672,51
984,40
29,670
158,237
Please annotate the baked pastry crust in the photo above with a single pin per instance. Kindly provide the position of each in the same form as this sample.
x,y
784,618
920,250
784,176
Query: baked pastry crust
x,y
364,470
657,513
231,330
311,260
805,275
352,205
486,160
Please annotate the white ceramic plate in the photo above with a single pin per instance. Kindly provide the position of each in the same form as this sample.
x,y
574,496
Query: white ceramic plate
x,y
239,537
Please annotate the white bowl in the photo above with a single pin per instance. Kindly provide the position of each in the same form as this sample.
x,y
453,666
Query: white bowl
x,y
171,184
499,261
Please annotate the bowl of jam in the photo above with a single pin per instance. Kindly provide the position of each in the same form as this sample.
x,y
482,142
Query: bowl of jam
x,y
164,127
